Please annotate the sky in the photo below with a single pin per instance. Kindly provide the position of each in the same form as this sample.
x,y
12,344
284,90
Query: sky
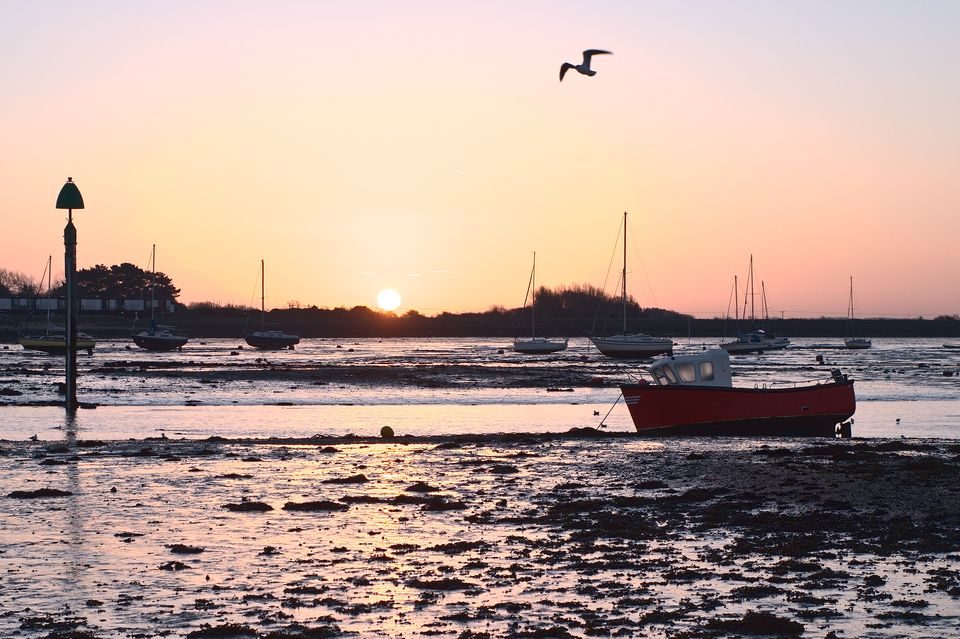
x,y
429,147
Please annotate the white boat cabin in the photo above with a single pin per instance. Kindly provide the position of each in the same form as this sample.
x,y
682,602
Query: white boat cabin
x,y
707,368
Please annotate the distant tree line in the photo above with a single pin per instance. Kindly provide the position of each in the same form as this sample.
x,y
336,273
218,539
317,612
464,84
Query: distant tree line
x,y
120,281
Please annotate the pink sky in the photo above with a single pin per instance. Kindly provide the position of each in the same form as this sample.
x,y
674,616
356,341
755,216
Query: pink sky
x,y
428,147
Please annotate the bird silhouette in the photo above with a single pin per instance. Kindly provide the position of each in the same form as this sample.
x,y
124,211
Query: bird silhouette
x,y
583,67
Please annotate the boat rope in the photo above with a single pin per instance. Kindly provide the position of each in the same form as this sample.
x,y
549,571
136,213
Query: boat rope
x,y
619,397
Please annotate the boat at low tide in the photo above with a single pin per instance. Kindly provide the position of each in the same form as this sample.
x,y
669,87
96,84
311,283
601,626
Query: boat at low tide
x,y
159,339
536,345
755,342
269,340
57,344
631,345
694,395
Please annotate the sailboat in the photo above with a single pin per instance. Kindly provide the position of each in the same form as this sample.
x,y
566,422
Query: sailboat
x,y
851,342
269,340
632,345
536,345
757,340
54,343
157,338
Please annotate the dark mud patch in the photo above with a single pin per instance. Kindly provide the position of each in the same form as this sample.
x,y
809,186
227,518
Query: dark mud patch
x,y
249,507
352,479
185,549
315,506
40,493
758,623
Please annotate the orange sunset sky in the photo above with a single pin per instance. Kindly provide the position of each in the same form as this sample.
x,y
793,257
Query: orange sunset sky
x,y
429,147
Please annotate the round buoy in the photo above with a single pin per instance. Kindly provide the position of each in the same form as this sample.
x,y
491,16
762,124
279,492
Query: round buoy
x,y
386,432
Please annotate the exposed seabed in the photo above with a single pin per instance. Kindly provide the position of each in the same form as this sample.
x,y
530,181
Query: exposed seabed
x,y
520,535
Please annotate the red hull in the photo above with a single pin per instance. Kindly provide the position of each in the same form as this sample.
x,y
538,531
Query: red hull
x,y
700,410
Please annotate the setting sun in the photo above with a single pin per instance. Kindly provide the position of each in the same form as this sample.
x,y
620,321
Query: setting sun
x,y
388,299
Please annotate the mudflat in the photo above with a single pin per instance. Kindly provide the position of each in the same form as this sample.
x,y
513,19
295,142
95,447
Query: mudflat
x,y
572,535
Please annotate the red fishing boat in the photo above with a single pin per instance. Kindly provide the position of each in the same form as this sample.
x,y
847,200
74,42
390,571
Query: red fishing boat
x,y
694,395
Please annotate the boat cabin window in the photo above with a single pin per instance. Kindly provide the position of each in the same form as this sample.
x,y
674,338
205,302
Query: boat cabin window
x,y
706,371
670,374
660,377
687,372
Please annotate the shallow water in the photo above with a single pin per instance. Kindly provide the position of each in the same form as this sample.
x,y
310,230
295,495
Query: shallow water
x,y
434,386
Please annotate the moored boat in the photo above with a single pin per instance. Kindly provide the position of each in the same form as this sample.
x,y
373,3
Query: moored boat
x,y
635,345
851,342
57,344
271,340
694,395
539,345
159,339
755,342
631,345
536,345
263,339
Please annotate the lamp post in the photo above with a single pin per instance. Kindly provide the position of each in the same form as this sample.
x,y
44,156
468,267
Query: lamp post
x,y
70,199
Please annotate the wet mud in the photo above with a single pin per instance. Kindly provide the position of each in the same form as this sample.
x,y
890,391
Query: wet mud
x,y
582,535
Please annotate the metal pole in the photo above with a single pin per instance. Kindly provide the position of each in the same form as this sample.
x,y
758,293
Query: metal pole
x,y
70,266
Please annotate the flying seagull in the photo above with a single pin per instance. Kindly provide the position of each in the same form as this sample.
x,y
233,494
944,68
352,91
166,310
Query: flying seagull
x,y
583,67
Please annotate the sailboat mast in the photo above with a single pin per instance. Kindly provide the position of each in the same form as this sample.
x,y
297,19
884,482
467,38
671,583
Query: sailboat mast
x,y
850,313
736,302
624,277
153,277
753,316
263,307
49,269
763,301
533,299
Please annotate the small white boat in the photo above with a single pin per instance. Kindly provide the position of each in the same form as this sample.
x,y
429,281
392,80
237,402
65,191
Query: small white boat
x,y
534,345
756,342
631,345
539,345
635,345
854,343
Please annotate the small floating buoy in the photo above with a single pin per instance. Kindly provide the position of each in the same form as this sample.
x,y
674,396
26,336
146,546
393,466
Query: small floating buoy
x,y
819,359
386,432
596,413
898,420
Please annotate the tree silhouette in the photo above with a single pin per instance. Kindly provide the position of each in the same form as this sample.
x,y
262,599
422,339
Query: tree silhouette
x,y
122,281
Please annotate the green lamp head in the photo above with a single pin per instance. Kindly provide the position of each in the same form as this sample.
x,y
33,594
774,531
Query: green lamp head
x,y
70,197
